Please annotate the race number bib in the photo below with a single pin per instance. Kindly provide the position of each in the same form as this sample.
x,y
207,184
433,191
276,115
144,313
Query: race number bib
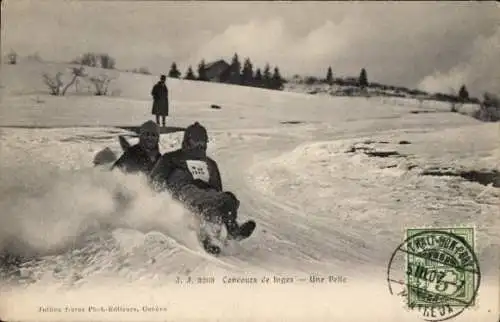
x,y
198,169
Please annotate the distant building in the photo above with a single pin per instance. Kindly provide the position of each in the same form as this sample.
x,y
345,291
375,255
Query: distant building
x,y
353,81
217,71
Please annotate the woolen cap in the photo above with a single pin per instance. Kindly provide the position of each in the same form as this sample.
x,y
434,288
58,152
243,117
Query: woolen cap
x,y
196,132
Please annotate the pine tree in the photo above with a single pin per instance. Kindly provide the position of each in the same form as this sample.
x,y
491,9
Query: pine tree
x,y
235,70
276,80
363,79
247,74
202,73
329,76
174,72
258,80
266,77
190,74
463,94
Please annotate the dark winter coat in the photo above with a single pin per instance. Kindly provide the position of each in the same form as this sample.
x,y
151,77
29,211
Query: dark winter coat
x,y
186,167
136,159
194,179
160,99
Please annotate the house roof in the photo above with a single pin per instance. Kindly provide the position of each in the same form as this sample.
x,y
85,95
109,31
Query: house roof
x,y
220,61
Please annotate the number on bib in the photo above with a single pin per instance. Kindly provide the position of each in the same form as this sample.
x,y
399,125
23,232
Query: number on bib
x,y
198,169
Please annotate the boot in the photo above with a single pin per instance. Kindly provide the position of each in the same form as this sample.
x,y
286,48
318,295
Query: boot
x,y
240,232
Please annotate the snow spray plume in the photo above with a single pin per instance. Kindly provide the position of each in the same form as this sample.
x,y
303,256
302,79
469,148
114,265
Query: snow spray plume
x,y
46,210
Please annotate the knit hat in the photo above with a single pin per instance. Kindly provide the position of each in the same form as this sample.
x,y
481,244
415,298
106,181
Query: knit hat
x,y
195,132
149,126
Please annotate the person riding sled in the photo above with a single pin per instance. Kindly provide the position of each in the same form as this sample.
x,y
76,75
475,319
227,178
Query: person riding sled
x,y
138,159
142,156
194,179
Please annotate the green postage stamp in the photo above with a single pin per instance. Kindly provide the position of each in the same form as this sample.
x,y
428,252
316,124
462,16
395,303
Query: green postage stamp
x,y
438,271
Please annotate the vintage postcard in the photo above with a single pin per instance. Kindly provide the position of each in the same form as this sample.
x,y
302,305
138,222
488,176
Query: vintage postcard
x,y
249,161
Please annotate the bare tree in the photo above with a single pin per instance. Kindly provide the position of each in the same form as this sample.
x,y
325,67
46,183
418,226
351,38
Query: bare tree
x,y
101,84
56,84
76,72
53,82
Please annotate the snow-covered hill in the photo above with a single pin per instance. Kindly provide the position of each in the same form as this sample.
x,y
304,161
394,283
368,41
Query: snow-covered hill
x,y
395,94
333,182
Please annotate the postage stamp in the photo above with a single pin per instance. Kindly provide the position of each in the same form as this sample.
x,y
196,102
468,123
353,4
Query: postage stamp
x,y
437,272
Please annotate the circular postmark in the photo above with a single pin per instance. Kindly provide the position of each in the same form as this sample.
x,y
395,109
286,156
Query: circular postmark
x,y
436,272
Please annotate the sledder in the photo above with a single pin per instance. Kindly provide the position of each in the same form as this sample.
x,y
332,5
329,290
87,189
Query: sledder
x,y
138,158
142,156
194,179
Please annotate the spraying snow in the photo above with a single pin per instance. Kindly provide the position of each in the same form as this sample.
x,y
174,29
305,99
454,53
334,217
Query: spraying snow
x,y
47,209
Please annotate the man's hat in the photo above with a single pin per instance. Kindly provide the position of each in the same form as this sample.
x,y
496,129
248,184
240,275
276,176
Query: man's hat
x,y
149,126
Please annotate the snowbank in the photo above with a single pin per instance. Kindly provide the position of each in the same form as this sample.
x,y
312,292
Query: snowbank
x,y
376,182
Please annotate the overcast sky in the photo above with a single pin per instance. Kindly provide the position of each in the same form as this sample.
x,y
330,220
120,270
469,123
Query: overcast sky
x,y
435,46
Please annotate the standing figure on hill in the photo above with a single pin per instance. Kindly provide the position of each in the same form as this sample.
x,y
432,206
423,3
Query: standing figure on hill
x,y
160,100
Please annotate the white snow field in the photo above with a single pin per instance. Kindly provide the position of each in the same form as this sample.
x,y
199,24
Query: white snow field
x,y
302,168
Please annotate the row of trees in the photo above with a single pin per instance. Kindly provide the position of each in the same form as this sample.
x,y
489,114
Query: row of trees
x,y
96,60
236,74
362,81
58,87
239,74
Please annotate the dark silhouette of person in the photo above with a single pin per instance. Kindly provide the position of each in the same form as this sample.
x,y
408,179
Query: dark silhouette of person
x,y
194,178
160,100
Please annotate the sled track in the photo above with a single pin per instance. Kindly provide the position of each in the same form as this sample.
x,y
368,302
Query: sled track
x,y
287,238
281,241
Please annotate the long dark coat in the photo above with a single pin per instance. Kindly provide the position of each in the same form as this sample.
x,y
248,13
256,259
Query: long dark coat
x,y
160,99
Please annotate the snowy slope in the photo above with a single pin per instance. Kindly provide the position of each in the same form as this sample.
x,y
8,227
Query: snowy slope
x,y
297,162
